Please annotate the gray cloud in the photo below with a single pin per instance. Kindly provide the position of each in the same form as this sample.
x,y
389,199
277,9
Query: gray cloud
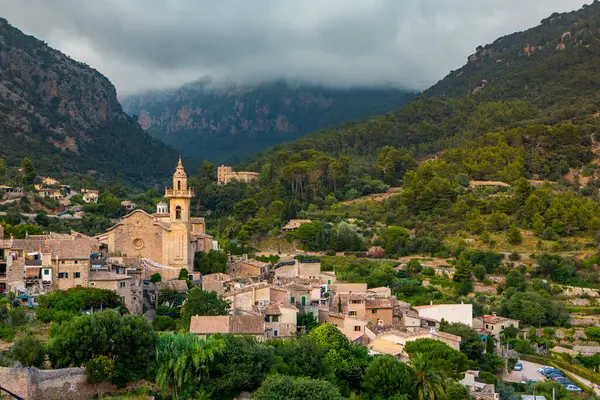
x,y
148,44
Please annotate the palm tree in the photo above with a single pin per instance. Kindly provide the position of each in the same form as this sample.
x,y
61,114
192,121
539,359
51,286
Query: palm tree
x,y
182,361
428,384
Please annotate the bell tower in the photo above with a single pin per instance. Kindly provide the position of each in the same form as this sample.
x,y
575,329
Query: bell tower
x,y
180,197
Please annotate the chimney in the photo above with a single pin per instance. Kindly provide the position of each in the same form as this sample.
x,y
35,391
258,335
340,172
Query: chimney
x,y
493,314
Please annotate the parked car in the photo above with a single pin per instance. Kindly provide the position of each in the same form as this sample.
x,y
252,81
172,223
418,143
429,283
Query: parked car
x,y
541,369
574,388
547,370
563,381
555,375
518,367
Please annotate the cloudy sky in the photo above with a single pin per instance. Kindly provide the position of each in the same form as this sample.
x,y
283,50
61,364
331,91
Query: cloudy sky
x,y
147,44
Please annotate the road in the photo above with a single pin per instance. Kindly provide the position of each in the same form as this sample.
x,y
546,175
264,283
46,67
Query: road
x,y
530,372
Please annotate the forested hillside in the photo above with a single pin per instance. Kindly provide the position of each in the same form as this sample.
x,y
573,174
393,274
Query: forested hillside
x,y
225,123
535,118
65,116
545,75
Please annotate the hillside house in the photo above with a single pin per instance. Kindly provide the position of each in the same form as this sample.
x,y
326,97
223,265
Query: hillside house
x,y
493,325
217,282
281,321
451,313
294,224
248,268
128,205
246,325
125,286
90,196
51,193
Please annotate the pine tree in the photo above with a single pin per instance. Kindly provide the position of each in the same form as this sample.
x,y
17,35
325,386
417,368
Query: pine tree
x,y
463,269
514,235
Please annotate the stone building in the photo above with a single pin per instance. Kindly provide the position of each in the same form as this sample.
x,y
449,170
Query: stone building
x,y
167,240
226,174
128,288
244,325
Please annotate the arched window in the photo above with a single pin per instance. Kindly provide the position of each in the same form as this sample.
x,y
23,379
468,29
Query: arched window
x,y
178,185
178,212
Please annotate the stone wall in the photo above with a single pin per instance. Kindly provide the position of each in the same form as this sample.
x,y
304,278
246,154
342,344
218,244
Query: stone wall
x,y
65,384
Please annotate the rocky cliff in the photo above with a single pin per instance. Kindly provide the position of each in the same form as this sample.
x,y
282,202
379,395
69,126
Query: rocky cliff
x,y
65,116
224,123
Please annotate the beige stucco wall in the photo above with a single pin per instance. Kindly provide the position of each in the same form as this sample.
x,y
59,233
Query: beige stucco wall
x,y
462,313
70,267
212,285
286,326
384,314
135,226
309,270
350,287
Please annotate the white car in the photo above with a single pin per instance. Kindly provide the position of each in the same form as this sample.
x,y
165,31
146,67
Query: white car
x,y
540,369
573,388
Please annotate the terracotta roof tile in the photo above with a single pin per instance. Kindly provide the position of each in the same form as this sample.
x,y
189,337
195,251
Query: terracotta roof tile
x,y
178,285
234,324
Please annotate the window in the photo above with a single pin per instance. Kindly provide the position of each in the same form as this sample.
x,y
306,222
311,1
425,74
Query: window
x,y
46,272
502,327
275,318
178,185
62,262
121,284
178,212
352,313
292,299
76,261
275,333
374,311
63,275
357,328
329,281
92,283
77,274
487,326
267,318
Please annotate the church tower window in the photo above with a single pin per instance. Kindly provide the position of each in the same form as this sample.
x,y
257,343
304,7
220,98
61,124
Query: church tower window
x,y
178,212
178,185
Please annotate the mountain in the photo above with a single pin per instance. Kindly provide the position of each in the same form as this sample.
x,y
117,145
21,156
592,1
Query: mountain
x,y
224,123
545,75
65,116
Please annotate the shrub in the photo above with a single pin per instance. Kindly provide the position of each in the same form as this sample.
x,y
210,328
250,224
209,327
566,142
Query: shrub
x,y
100,369
7,333
164,323
488,377
428,271
168,312
29,351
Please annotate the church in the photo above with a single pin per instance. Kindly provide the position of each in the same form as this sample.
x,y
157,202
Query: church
x,y
166,241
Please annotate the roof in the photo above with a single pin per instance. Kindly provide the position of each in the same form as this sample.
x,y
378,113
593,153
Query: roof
x,y
162,224
177,285
383,346
252,263
379,289
275,308
234,324
217,276
64,246
107,276
247,288
488,183
197,220
381,303
494,319
298,287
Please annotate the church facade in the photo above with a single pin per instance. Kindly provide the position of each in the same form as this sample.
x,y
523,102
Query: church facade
x,y
167,240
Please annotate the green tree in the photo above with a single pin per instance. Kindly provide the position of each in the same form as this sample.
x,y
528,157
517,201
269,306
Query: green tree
x,y
514,235
428,383
128,340
211,262
28,171
156,277
386,377
470,344
100,369
301,357
164,323
441,357
463,269
456,391
29,351
183,362
281,387
183,274
202,302
307,319
21,231
395,238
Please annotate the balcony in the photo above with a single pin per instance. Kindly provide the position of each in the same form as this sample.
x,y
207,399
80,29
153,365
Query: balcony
x,y
179,193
